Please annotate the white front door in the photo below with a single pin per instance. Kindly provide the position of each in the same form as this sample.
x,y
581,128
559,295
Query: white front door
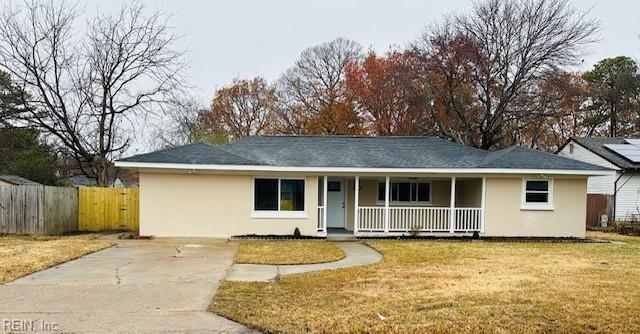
x,y
335,201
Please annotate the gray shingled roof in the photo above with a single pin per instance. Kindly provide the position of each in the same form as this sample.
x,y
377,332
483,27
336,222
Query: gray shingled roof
x,y
371,152
596,145
18,180
197,153
518,157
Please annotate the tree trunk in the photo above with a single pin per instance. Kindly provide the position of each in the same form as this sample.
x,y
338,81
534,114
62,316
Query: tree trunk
x,y
102,171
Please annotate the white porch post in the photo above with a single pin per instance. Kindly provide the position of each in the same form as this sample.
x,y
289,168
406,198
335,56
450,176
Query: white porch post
x,y
386,204
355,205
484,191
452,207
324,203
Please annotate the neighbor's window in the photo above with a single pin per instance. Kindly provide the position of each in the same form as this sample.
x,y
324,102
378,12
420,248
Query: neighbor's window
x,y
537,192
407,192
278,195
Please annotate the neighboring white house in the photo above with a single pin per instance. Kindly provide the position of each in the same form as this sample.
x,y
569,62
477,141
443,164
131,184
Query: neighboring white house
x,y
622,187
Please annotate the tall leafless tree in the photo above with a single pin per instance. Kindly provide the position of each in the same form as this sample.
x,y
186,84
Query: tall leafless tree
x,y
512,42
313,92
89,91
179,125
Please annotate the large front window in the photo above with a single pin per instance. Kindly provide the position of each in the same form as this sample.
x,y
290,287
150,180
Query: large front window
x,y
406,192
278,194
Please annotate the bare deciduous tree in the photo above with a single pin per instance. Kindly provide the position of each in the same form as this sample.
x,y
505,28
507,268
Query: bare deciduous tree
x,y
313,93
89,91
179,125
512,43
556,105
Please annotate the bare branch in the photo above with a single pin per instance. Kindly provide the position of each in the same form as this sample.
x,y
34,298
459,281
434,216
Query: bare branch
x,y
89,92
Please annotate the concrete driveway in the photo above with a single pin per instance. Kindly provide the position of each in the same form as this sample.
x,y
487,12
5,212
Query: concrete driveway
x,y
135,286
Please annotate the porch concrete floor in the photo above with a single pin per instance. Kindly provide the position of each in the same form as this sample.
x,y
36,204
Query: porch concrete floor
x,y
340,234
356,254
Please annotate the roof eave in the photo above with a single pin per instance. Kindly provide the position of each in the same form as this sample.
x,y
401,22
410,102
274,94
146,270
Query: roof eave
x,y
269,168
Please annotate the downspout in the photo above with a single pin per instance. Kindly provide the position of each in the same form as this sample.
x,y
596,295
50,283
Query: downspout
x,y
615,192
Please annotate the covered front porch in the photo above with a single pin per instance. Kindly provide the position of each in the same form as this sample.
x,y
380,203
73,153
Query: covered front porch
x,y
400,205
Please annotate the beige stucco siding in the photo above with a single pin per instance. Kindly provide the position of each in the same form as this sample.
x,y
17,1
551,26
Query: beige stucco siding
x,y
206,205
504,216
216,205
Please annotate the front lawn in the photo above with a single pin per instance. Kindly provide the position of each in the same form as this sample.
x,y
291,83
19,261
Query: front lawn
x,y
631,240
287,252
22,255
453,287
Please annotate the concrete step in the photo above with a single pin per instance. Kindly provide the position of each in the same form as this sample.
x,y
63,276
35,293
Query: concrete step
x,y
341,237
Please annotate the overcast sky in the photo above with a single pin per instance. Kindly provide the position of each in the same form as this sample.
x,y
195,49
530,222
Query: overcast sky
x,y
246,38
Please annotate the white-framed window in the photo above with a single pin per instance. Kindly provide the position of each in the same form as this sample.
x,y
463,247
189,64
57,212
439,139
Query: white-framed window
x,y
537,194
279,197
406,192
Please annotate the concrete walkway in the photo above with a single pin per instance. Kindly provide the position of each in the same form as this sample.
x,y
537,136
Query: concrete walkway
x,y
356,254
162,285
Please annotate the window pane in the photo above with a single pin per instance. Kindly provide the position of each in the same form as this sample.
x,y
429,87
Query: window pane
x,y
266,194
292,195
538,185
537,197
404,191
381,187
423,192
333,186
394,191
414,192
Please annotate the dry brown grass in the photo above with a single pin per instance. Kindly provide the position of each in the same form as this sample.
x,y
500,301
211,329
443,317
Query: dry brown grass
x,y
22,255
632,240
453,287
287,252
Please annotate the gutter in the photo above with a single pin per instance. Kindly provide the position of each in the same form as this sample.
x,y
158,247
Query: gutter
x,y
270,168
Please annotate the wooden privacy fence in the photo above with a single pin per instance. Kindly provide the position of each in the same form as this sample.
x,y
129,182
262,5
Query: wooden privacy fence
x,y
598,205
40,210
105,209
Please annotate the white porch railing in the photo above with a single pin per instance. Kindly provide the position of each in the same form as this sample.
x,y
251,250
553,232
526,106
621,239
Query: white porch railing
x,y
429,219
468,219
371,218
321,212
403,219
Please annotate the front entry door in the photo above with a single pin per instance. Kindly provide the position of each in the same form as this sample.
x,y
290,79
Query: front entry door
x,y
335,199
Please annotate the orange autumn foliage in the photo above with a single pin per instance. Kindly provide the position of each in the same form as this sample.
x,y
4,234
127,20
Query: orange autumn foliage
x,y
385,94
